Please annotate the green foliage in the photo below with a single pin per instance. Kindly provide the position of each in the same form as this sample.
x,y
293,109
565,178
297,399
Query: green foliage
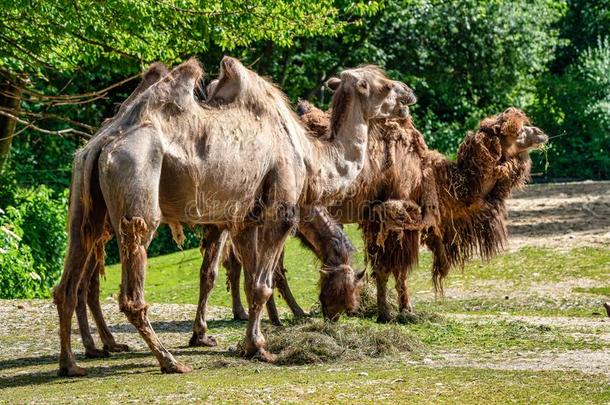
x,y
576,107
467,59
19,276
33,241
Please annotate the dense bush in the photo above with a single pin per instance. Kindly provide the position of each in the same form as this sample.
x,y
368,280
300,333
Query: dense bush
x,y
575,107
33,241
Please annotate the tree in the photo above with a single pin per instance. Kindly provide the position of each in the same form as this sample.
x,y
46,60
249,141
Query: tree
x,y
45,40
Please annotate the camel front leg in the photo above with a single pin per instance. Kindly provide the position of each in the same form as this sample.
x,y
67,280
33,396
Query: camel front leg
x,y
383,310
404,304
81,313
213,244
134,235
260,249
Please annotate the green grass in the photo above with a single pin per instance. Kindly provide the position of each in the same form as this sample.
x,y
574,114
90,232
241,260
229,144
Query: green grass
x,y
174,278
360,360
368,382
594,290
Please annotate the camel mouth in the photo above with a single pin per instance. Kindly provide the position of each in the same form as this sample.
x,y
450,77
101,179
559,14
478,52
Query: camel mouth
x,y
404,111
532,137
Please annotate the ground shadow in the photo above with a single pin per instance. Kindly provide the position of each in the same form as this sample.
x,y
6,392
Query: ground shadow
x,y
117,366
177,326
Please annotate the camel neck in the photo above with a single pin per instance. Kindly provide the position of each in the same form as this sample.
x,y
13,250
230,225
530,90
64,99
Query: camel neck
x,y
342,159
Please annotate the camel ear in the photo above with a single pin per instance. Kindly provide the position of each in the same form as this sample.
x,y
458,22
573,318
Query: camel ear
x,y
333,83
363,87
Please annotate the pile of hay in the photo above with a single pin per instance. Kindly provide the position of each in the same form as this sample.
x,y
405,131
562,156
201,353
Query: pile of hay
x,y
316,341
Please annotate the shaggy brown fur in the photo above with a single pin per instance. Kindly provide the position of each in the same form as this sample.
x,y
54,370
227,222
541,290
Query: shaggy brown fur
x,y
462,203
473,191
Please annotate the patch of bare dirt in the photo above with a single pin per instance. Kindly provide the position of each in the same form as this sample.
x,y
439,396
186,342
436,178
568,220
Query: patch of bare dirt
x,y
585,361
560,215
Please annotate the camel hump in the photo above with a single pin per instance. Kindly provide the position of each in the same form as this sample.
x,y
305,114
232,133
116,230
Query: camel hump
x,y
187,71
154,73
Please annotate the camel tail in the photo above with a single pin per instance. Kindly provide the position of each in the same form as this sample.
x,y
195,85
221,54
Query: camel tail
x,y
94,230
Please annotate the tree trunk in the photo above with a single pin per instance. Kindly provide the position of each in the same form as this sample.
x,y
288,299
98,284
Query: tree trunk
x,y
10,101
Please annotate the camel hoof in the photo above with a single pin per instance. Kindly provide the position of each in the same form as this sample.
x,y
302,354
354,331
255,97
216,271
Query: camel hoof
x,y
71,371
240,316
116,348
176,368
202,341
300,314
95,353
276,322
263,355
384,318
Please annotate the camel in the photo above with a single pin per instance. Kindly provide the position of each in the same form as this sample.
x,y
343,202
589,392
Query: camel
x,y
89,289
164,160
407,192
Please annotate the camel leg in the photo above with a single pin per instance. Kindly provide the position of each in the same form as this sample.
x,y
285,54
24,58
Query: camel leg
x,y
233,266
214,247
272,312
404,304
281,283
383,310
260,249
66,294
93,300
134,235
81,313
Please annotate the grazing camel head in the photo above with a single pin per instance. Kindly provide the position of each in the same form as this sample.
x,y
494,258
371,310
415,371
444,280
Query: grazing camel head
x,y
341,291
379,97
513,132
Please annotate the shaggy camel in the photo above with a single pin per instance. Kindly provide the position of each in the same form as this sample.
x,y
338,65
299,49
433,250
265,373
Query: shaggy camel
x,y
462,203
163,160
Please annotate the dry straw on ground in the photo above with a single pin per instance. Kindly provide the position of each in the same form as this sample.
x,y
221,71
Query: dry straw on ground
x,y
318,341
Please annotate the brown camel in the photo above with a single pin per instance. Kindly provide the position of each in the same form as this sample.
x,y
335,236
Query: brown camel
x,y
89,289
462,203
164,160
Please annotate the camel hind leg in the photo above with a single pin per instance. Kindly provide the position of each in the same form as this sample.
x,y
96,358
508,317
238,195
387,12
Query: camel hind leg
x,y
214,247
281,283
130,174
134,236
233,266
65,294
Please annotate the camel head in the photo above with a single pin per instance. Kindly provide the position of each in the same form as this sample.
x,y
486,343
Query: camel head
x,y
378,96
339,290
513,131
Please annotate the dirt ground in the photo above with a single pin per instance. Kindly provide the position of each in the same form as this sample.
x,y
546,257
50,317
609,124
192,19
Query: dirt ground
x,y
560,215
